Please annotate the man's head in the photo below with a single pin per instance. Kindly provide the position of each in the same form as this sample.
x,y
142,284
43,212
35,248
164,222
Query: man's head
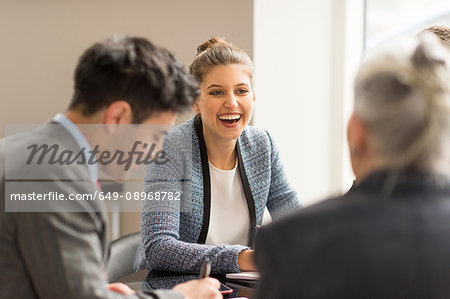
x,y
131,72
122,81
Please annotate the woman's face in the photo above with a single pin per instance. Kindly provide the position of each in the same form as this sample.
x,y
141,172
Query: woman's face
x,y
226,101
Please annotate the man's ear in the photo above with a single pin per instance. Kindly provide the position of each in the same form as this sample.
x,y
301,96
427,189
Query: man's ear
x,y
117,113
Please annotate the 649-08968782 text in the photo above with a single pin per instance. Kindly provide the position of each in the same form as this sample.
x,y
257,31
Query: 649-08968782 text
x,y
157,196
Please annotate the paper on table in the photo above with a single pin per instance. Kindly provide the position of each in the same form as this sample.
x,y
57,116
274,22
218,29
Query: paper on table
x,y
243,275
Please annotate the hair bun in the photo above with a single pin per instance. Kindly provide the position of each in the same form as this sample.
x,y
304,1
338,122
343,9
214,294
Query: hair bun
x,y
212,42
427,54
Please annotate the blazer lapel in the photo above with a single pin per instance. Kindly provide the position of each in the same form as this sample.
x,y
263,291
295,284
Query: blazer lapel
x,y
248,195
206,180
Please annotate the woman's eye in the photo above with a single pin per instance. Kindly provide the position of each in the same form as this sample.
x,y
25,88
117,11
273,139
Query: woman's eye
x,y
241,91
216,92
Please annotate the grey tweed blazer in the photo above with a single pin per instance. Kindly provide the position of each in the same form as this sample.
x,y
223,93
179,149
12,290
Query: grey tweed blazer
x,y
173,232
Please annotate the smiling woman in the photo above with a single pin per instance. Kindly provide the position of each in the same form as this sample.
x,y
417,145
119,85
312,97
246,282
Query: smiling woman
x,y
230,175
226,107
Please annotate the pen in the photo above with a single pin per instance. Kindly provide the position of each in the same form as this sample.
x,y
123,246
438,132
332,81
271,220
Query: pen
x,y
205,270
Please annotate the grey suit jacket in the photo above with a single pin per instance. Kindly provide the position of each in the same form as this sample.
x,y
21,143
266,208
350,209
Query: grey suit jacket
x,y
53,254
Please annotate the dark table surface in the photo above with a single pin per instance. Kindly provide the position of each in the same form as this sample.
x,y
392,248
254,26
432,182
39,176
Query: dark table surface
x,y
167,280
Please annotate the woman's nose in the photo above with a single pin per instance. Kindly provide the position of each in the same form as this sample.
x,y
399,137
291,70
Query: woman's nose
x,y
231,101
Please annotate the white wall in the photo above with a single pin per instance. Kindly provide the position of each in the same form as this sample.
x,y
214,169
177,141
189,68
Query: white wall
x,y
302,87
42,40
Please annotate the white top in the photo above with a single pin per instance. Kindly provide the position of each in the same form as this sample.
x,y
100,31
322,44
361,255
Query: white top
x,y
229,221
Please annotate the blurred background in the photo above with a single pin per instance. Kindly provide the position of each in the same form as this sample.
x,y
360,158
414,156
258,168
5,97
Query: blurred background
x,y
305,53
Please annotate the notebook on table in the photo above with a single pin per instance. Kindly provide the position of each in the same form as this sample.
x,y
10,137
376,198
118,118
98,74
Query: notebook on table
x,y
252,276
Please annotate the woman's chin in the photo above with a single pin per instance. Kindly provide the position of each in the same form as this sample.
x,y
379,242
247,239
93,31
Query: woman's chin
x,y
232,135
231,131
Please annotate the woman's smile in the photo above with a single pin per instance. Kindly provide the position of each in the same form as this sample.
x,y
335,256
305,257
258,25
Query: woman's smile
x,y
230,120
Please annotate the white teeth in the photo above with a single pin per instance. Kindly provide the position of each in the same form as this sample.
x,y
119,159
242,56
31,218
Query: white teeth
x,y
230,117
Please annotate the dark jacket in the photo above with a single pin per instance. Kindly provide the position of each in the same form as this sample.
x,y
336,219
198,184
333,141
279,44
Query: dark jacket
x,y
389,237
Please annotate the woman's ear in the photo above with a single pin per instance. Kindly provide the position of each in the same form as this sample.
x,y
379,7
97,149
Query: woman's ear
x,y
359,146
356,135
196,108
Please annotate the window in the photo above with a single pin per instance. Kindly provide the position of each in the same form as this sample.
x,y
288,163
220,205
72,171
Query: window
x,y
387,19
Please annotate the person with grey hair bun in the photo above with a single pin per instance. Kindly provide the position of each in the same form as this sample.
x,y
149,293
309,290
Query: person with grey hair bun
x,y
401,111
389,236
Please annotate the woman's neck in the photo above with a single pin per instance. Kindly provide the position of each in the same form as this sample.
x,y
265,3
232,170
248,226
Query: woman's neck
x,y
221,152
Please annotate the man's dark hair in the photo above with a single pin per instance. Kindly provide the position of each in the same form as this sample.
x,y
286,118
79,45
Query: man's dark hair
x,y
135,70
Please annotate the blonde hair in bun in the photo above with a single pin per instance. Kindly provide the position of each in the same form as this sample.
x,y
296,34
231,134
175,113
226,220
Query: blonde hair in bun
x,y
212,42
217,51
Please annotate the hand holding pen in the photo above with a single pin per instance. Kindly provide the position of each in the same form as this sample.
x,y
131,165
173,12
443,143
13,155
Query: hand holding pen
x,y
205,270
204,288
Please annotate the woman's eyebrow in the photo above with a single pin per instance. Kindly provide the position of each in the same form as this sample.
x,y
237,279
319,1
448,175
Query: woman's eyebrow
x,y
213,85
242,84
